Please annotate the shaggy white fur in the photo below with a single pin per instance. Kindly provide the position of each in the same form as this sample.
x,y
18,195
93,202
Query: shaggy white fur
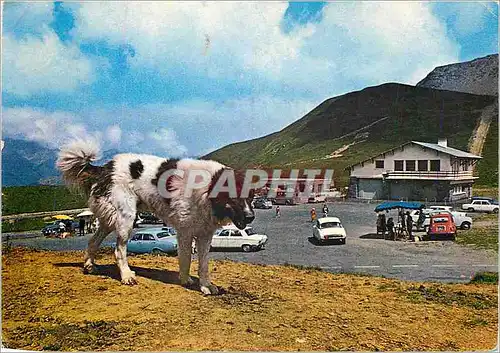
x,y
128,183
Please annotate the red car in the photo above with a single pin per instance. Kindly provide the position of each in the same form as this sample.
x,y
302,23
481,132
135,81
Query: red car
x,y
442,224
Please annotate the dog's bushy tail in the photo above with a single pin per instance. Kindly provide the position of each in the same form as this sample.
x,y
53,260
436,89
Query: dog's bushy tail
x,y
75,162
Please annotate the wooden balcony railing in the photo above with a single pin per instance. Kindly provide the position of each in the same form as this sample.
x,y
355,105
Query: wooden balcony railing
x,y
441,175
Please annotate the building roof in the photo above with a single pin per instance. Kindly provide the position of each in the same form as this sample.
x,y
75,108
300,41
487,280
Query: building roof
x,y
434,146
451,151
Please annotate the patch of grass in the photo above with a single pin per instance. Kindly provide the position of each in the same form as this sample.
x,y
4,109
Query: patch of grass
x,y
25,199
303,267
435,294
23,225
476,321
485,191
485,277
487,167
89,335
481,238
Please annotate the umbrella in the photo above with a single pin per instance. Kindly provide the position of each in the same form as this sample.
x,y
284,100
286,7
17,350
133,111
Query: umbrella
x,y
399,204
62,217
85,214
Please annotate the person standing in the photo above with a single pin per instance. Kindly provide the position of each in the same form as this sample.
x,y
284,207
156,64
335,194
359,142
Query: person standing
x,y
390,228
409,225
81,227
278,212
313,214
325,210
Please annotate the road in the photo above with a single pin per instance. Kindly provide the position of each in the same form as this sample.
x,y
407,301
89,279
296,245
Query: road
x,y
289,242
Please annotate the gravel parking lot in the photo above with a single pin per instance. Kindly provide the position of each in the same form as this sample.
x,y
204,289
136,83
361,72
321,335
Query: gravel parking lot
x,y
289,242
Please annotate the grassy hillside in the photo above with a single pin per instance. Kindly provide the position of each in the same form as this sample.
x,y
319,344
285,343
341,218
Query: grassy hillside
x,y
361,124
23,199
487,168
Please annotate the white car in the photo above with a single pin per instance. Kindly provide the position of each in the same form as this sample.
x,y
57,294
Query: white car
x,y
230,237
316,198
481,206
460,219
441,208
329,228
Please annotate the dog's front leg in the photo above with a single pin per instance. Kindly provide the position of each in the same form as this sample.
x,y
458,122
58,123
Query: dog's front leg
x,y
123,230
185,241
203,243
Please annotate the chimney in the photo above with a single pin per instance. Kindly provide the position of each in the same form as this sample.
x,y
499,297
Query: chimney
x,y
443,142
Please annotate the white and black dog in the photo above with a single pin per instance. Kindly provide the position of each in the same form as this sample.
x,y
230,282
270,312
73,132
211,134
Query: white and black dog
x,y
129,182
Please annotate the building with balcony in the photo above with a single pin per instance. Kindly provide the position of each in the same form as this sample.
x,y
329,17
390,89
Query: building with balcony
x,y
415,171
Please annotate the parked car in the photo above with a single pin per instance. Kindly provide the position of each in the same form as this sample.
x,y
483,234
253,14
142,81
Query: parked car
x,y
441,208
481,206
149,218
484,198
316,198
153,240
329,228
230,237
262,203
461,219
51,230
442,224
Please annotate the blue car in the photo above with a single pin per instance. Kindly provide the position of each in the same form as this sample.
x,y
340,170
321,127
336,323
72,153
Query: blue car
x,y
153,241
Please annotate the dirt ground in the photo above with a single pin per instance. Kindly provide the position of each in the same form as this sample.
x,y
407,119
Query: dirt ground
x,y
48,303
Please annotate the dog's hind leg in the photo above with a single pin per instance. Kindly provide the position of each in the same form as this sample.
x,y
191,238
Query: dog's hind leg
x,y
93,246
124,224
185,242
203,245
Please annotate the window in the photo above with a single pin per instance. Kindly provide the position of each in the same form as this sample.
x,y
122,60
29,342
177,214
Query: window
x,y
236,233
250,231
410,166
422,166
224,233
435,165
148,237
379,164
163,235
398,165
136,237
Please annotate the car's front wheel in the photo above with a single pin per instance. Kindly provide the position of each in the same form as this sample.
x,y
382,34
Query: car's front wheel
x,y
495,210
246,248
465,225
470,209
156,252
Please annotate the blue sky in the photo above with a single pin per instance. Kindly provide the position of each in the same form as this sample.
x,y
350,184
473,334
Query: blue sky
x,y
186,78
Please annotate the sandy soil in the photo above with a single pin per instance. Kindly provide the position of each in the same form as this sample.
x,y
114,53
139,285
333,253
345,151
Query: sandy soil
x,y
48,303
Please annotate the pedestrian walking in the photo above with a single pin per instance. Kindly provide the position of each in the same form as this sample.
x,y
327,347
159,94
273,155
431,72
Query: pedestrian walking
x,y
278,212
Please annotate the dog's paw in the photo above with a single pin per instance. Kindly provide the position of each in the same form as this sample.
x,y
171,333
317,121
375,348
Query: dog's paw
x,y
188,283
209,290
129,279
89,269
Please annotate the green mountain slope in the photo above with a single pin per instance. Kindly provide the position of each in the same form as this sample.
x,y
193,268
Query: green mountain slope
x,y
352,127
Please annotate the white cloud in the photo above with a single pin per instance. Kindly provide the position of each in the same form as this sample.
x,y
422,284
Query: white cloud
x,y
26,17
114,134
48,128
33,65
167,142
355,44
